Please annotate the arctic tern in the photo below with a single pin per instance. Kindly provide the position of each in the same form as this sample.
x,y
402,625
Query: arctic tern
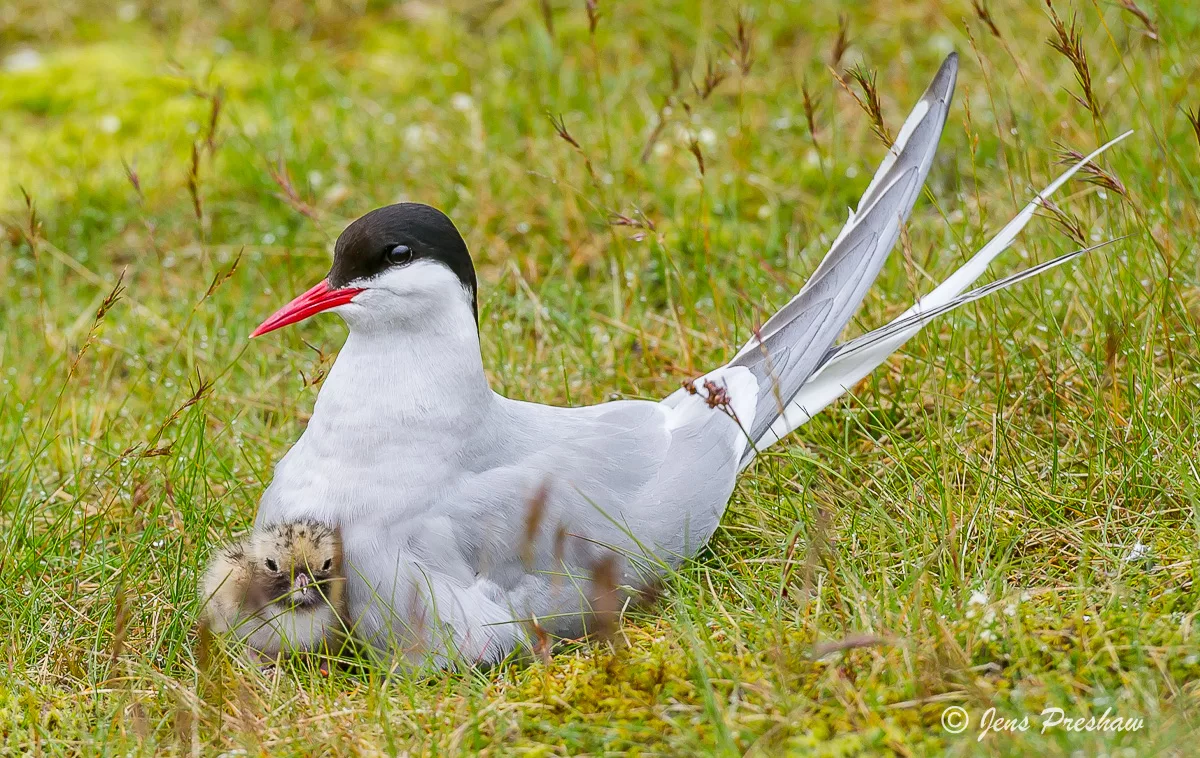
x,y
471,521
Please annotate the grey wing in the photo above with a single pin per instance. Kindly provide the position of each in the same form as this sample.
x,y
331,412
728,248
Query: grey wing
x,y
629,488
586,477
521,538
791,344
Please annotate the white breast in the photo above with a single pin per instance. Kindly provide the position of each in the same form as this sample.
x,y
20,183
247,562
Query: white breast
x,y
274,629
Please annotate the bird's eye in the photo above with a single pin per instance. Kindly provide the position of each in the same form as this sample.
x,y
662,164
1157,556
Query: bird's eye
x,y
272,565
327,565
400,254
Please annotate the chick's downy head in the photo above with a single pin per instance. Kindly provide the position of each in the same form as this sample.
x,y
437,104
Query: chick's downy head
x,y
300,563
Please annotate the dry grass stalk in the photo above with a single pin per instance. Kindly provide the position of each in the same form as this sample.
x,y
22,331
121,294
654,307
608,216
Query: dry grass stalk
x,y
593,14
694,148
120,630
713,76
741,43
287,190
138,721
132,175
984,14
840,43
33,225
663,109
203,388
560,128
1069,43
543,644
324,360
1070,225
605,599
1148,24
193,184
1092,172
869,102
535,514
850,642
106,305
810,110
216,99
642,224
1193,117
224,276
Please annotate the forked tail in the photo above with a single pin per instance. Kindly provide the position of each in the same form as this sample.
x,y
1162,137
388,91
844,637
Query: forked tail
x,y
793,343
793,356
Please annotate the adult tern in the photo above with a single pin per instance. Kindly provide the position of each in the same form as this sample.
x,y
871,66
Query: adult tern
x,y
470,520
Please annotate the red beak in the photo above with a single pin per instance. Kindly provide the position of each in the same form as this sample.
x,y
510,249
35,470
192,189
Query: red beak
x,y
320,298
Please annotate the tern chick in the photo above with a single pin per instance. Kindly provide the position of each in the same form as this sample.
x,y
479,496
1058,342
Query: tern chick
x,y
280,590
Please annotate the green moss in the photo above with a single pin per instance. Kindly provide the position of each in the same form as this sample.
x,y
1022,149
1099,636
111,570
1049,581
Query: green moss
x,y
965,515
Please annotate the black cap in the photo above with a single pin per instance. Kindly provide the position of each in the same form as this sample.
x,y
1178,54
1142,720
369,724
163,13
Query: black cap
x,y
365,248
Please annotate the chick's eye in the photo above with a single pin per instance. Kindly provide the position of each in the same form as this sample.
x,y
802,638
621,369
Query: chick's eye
x,y
327,565
272,565
400,254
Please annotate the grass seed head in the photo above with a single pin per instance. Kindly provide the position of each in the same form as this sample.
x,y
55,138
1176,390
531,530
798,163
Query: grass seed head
x,y
1068,41
714,75
810,109
869,101
841,42
1069,225
741,43
984,14
593,15
1093,172
1193,117
193,184
1148,25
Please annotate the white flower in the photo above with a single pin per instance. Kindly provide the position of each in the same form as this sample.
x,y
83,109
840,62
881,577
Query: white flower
x,y
25,59
1138,552
418,136
977,598
461,101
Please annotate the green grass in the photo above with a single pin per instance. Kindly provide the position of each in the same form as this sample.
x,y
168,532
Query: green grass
x,y
959,524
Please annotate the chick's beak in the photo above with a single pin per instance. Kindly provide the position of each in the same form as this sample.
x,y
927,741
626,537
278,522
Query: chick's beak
x,y
322,297
303,591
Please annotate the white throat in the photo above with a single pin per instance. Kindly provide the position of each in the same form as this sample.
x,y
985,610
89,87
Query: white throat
x,y
412,357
